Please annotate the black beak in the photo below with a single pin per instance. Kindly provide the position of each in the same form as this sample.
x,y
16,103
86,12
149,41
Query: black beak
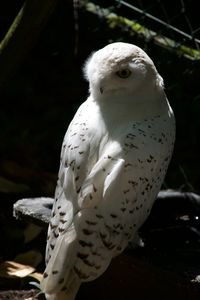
x,y
101,90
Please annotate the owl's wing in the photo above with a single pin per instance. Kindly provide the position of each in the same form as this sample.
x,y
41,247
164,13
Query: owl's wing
x,y
68,251
79,176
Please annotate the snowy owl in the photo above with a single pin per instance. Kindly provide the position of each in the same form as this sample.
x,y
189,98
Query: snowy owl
x,y
113,161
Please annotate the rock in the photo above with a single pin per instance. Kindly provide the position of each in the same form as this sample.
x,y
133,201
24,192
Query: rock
x,y
34,210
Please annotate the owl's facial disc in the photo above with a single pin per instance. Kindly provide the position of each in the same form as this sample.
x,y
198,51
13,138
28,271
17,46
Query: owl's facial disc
x,y
115,80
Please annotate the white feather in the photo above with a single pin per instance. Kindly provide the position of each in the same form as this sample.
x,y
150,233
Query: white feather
x,y
114,158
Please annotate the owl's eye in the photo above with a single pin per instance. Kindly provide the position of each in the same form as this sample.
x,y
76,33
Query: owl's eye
x,y
124,73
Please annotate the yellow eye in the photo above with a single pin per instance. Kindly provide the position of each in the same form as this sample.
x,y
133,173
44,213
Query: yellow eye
x,y
124,73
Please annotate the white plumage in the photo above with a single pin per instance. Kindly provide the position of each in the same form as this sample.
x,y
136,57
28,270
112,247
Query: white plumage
x,y
113,161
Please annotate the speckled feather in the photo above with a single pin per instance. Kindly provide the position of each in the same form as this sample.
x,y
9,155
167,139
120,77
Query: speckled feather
x,y
114,158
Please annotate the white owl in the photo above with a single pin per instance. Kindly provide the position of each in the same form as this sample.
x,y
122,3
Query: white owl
x,y
113,161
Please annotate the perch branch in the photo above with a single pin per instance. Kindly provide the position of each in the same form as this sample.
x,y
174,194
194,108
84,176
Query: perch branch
x,y
38,210
140,266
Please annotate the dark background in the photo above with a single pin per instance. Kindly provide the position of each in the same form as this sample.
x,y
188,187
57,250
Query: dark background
x,y
40,98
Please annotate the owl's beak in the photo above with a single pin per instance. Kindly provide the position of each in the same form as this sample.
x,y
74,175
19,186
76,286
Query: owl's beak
x,y
101,90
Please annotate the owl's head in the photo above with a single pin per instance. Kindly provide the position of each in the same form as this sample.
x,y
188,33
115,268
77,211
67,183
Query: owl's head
x,y
120,68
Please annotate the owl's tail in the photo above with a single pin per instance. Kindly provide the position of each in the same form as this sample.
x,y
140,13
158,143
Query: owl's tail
x,y
59,281
68,294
